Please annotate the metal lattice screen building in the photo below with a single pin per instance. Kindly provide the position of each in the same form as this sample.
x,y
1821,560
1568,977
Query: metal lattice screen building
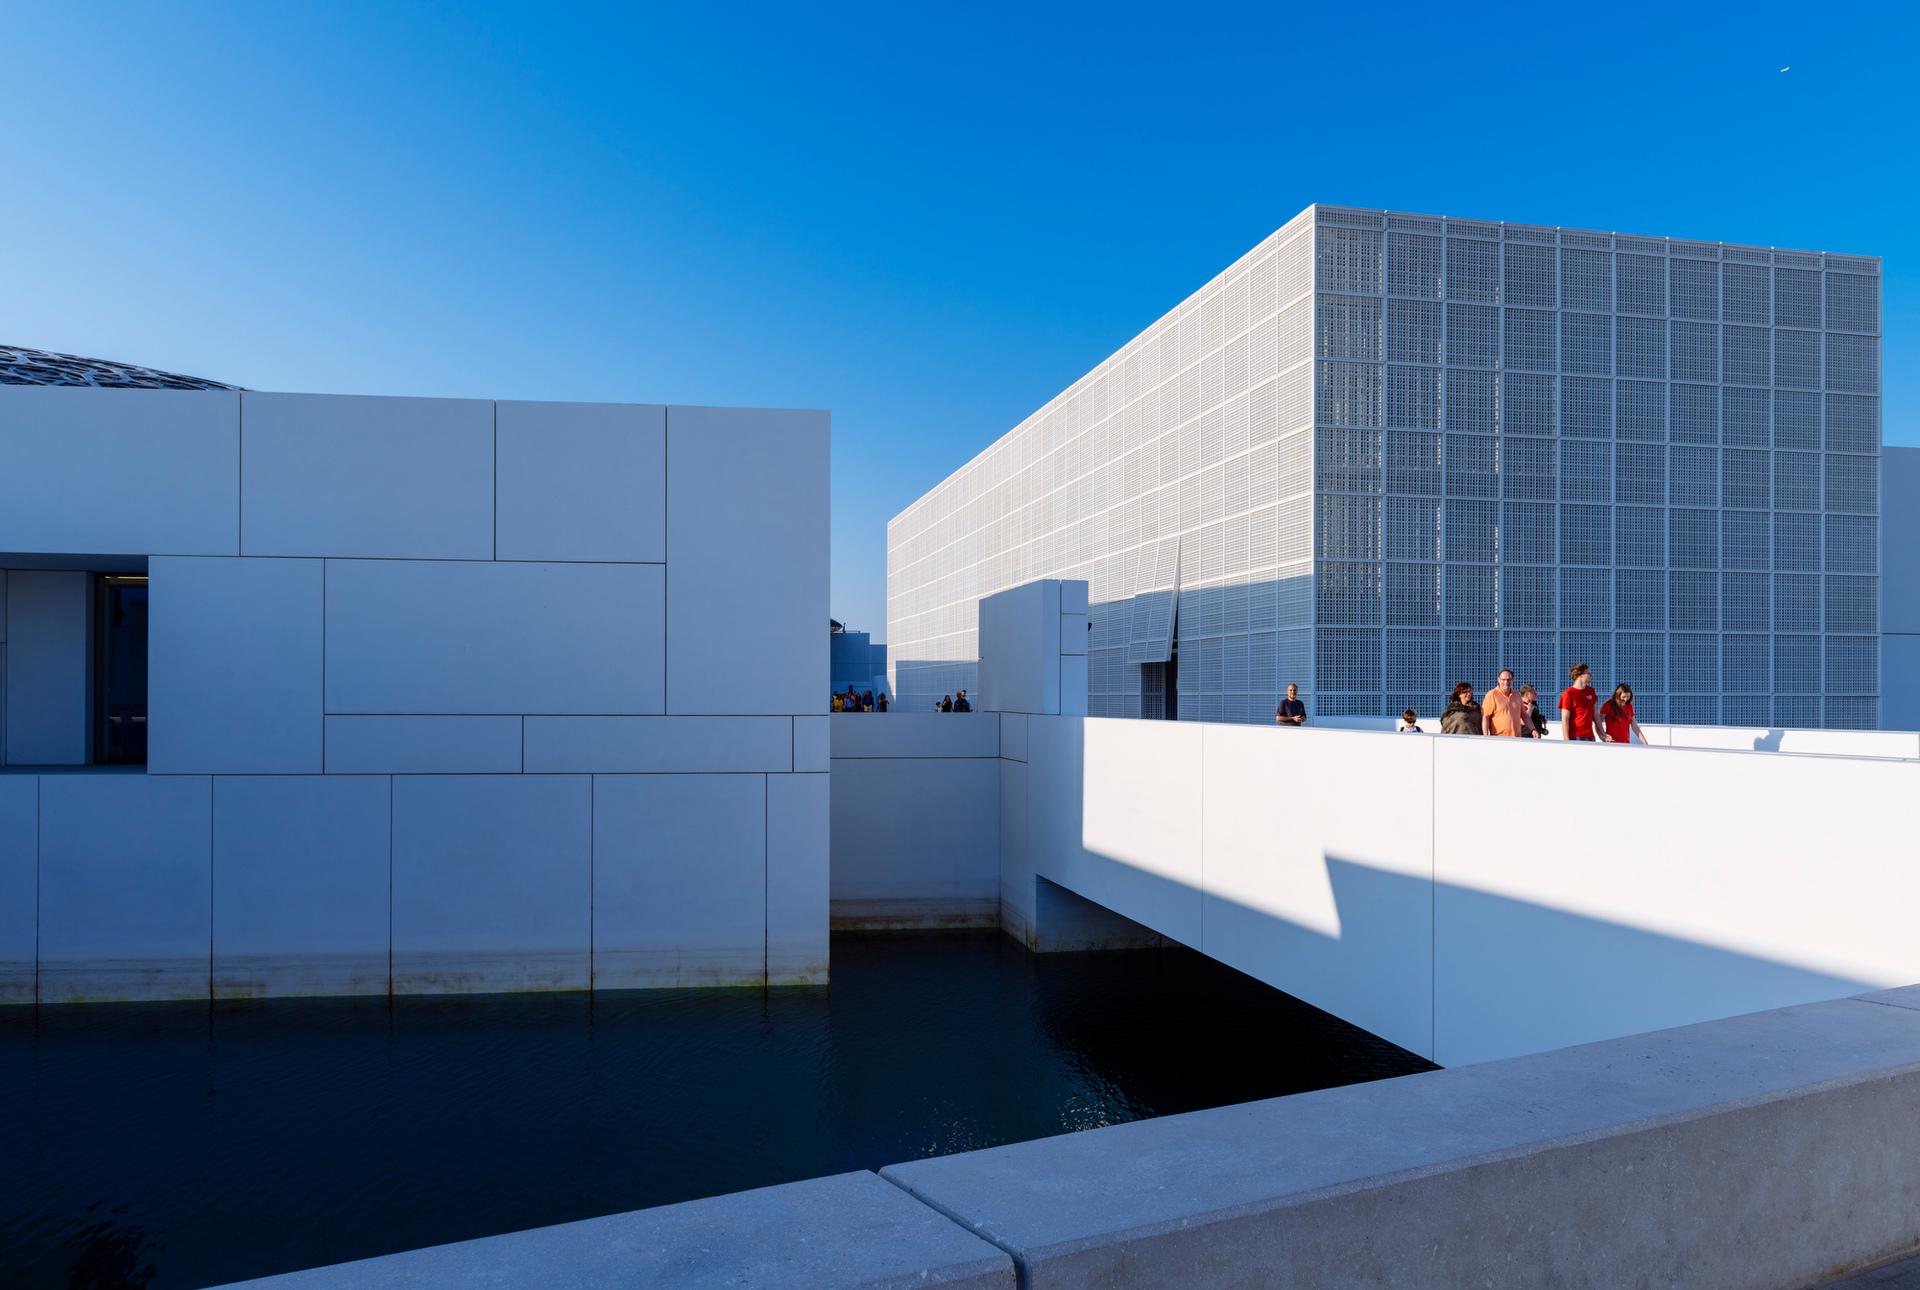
x,y
1384,452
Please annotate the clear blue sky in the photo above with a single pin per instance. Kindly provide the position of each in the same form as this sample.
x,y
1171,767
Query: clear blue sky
x,y
926,219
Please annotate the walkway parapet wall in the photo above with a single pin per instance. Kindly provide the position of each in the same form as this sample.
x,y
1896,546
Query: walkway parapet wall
x,y
1465,898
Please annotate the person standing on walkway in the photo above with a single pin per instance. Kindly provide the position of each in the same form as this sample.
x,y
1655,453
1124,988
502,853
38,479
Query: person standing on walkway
x,y
960,703
1616,717
1409,723
1503,713
1291,711
1536,721
882,703
1577,703
1462,716
945,704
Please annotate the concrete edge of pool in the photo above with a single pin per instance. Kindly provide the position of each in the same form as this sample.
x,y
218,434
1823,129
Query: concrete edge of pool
x,y
1777,1149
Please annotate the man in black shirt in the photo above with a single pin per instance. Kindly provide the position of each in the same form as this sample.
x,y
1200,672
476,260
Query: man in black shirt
x,y
1291,711
960,703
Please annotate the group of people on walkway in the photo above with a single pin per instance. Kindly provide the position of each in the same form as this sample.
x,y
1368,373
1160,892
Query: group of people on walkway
x,y
954,703
860,701
1515,712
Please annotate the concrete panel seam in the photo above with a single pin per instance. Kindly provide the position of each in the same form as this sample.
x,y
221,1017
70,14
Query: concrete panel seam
x,y
1882,1003
213,874
766,880
323,667
1022,1275
593,852
39,814
389,886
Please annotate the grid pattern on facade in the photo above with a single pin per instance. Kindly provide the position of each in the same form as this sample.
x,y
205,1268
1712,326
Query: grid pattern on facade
x,y
1385,452
1684,438
1178,472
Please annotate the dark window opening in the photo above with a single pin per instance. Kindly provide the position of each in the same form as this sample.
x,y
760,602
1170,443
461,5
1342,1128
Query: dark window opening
x,y
120,672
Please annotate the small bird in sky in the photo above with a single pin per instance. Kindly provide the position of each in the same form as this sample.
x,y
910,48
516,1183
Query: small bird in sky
x,y
1787,68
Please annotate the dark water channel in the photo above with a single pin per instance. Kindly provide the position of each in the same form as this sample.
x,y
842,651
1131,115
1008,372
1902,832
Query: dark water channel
x,y
177,1145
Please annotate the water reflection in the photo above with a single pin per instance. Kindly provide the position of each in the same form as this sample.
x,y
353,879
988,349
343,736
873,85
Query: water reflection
x,y
181,1145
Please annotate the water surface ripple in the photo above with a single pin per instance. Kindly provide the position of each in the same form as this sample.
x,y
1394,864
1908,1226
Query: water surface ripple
x,y
182,1145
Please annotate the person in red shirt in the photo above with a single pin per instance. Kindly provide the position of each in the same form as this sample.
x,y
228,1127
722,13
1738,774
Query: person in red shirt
x,y
1577,703
1616,717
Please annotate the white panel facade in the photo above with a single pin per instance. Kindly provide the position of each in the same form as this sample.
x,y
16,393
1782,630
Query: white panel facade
x,y
49,659
491,882
415,636
416,745
950,870
679,880
234,671
301,881
120,472
747,545
126,886
799,882
19,886
348,604
1511,446
582,481
355,476
659,745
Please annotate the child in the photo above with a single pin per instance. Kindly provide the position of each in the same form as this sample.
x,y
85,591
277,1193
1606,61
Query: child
x,y
1409,723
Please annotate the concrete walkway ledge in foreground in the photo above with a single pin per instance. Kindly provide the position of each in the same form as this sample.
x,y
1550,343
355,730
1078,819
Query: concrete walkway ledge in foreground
x,y
851,1230
1778,1149
1771,1151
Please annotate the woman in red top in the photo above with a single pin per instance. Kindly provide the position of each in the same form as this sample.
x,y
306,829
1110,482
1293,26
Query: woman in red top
x,y
1616,716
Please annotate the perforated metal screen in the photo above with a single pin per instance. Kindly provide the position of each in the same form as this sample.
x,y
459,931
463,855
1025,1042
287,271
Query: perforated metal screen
x,y
1387,452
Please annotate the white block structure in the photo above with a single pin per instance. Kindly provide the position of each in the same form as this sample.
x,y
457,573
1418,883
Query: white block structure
x,y
439,695
1385,452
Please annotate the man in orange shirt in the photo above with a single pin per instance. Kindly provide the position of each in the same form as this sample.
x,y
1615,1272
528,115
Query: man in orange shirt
x,y
1502,712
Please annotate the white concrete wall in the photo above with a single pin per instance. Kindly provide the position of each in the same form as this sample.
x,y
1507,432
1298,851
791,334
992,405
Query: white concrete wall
x,y
1889,742
1403,884
746,560
916,820
1033,649
399,649
119,472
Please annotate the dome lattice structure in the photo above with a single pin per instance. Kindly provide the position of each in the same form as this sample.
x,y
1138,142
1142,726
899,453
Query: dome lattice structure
x,y
21,366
